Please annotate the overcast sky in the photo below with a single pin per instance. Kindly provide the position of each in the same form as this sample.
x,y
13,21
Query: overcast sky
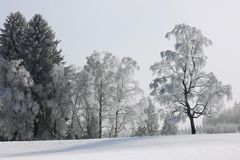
x,y
136,28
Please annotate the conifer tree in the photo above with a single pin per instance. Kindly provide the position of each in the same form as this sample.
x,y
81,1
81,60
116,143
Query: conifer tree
x,y
39,52
17,108
39,49
169,126
12,35
151,121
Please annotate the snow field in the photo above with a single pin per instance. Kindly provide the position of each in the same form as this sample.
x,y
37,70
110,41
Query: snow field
x,y
181,147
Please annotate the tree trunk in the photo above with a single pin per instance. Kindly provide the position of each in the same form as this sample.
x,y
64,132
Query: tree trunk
x,y
193,129
116,125
100,122
35,126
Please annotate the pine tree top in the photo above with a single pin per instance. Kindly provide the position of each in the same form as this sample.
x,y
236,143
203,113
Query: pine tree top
x,y
11,36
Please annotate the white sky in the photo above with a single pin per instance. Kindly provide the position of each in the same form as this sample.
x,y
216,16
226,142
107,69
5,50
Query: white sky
x,y
136,28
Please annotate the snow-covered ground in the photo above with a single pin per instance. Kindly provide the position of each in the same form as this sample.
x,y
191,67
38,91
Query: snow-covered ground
x,y
182,147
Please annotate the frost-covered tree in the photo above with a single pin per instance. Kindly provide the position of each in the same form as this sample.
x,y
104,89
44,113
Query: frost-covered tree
x,y
17,108
169,126
140,115
12,35
181,84
84,122
147,118
61,101
40,54
227,121
125,92
151,121
103,94
101,67
141,131
39,49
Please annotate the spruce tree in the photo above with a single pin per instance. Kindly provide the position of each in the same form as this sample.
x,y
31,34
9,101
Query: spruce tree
x,y
39,49
40,54
12,35
169,126
151,121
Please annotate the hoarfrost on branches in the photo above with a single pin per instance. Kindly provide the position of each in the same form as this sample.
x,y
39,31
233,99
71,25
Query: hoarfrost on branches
x,y
180,82
17,108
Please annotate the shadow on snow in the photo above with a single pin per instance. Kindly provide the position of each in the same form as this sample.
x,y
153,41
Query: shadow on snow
x,y
81,147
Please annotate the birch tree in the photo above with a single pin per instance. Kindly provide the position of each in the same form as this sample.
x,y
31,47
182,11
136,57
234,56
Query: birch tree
x,y
101,67
84,122
180,84
126,90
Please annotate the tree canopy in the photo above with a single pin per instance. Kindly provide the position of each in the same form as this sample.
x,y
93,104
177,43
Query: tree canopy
x,y
181,83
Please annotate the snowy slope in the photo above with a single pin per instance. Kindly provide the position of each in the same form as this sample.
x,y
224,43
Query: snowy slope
x,y
183,147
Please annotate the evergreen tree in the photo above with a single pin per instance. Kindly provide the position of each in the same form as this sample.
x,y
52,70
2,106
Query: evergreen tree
x,y
147,118
141,131
39,52
169,126
39,49
12,35
17,108
151,118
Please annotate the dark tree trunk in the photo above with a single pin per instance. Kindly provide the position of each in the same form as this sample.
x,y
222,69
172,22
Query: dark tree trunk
x,y
116,125
35,126
100,122
54,132
193,129
15,134
89,131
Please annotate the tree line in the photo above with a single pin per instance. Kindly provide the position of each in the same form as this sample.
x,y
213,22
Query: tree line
x,y
43,98
227,121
